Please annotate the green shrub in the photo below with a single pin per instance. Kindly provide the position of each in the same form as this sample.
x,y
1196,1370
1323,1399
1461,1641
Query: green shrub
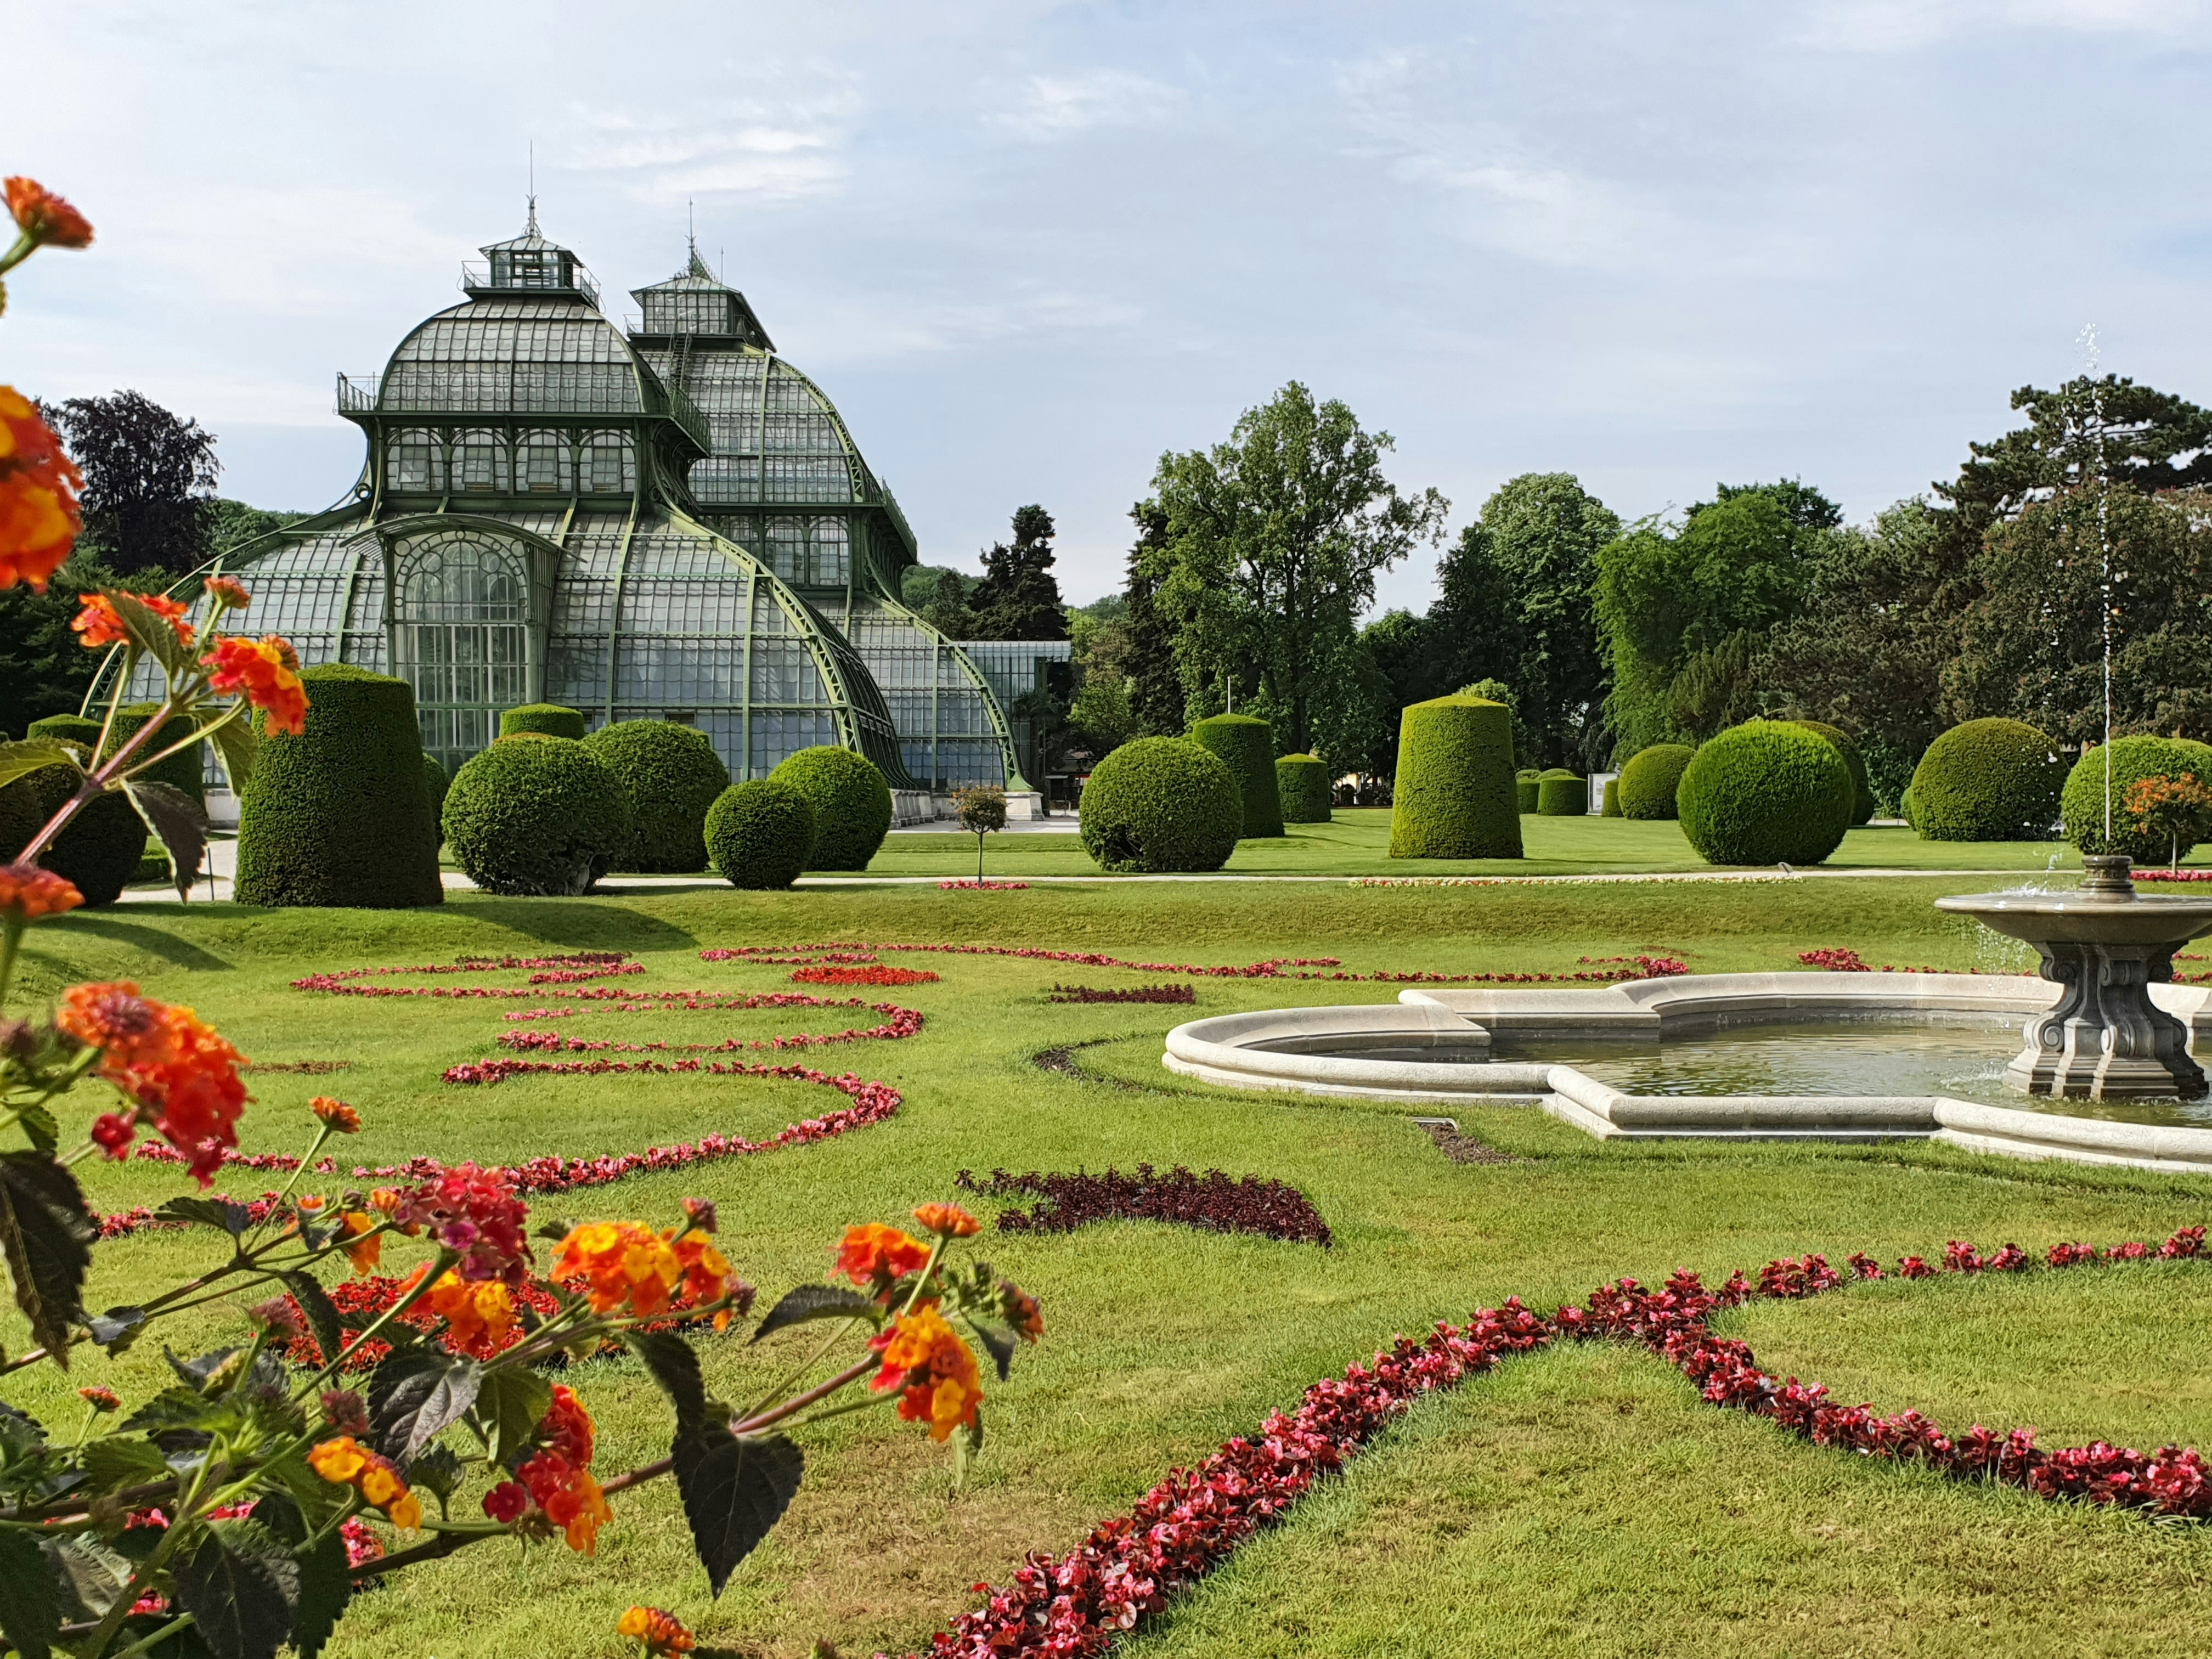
x,y
185,769
1649,779
1904,808
1303,783
1992,780
1564,797
672,775
1527,789
1862,801
548,719
760,835
340,815
536,814
1161,803
99,853
2082,803
1767,792
68,728
1247,747
1455,789
851,801
435,782
1610,808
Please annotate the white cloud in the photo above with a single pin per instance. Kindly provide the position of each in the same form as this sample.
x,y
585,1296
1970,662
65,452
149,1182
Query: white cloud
x,y
1887,26
897,328
786,148
1055,105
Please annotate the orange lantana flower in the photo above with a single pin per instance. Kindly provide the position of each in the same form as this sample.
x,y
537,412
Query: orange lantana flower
x,y
345,1462
168,1062
872,1253
44,217
362,1244
38,483
229,594
100,625
948,1220
336,1113
33,892
266,673
660,1633
933,1369
479,1313
708,1277
618,1262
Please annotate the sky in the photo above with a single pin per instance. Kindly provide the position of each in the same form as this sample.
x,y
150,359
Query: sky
x,y
1028,247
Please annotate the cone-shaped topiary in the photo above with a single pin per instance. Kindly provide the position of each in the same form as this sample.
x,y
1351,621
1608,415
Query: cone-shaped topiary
x,y
1862,801
1990,779
550,719
1161,803
1650,779
2082,803
1247,747
340,815
760,833
851,801
1301,781
1767,792
1456,796
672,775
98,852
536,814
185,769
1564,797
1610,806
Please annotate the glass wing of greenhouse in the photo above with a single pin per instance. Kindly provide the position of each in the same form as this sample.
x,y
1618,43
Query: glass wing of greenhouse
x,y
672,522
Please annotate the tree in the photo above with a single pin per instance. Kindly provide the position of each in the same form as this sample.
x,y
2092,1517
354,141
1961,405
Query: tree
x,y
1149,664
939,595
1018,598
44,668
1274,539
148,481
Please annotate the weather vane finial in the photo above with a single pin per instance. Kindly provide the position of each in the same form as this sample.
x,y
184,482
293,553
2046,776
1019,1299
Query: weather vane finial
x,y
531,229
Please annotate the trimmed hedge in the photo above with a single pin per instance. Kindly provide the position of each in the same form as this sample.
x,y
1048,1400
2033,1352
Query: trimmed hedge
x,y
68,728
1650,779
99,853
2082,803
548,719
185,769
340,815
1767,792
1563,797
1301,781
672,775
1456,793
1247,747
537,814
1610,808
1906,810
436,783
1525,789
1862,801
1161,803
759,834
1990,779
851,801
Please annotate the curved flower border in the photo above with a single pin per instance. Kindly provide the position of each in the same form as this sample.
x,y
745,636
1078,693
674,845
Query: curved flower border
x,y
1598,970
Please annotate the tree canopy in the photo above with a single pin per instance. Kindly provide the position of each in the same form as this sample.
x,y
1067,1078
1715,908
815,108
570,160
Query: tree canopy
x,y
1018,598
149,479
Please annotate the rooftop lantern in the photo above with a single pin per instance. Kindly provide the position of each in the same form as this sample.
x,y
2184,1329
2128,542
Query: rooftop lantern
x,y
528,266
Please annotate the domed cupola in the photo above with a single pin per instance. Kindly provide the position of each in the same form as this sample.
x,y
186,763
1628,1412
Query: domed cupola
x,y
696,302
526,265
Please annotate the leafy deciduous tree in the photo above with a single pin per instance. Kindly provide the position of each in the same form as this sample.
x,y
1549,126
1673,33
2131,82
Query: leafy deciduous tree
x,y
148,481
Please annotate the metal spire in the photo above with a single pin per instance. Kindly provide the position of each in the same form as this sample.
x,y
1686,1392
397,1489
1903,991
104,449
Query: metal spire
x,y
531,229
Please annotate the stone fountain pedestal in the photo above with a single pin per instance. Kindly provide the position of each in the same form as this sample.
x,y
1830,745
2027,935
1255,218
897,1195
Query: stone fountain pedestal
x,y
2106,946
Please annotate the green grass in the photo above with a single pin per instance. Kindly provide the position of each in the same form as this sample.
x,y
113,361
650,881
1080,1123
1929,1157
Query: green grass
x,y
1573,1501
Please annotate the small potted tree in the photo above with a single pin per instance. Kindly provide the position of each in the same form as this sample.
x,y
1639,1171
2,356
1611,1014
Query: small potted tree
x,y
981,809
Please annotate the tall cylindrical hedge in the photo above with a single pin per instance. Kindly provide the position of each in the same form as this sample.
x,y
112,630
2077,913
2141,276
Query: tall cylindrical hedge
x,y
536,814
672,775
1862,801
1767,792
1564,797
2082,803
1609,807
185,769
1303,783
98,852
1161,803
1455,795
435,783
760,833
1649,779
851,801
1247,747
1988,779
1526,789
340,815
550,719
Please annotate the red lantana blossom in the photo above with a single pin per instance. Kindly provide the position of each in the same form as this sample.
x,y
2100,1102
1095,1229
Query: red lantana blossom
x,y
872,1253
226,592
39,520
100,624
33,892
336,1113
44,217
177,1072
933,1369
266,673
474,1212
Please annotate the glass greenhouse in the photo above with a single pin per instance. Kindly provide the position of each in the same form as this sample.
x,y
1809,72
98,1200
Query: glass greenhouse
x,y
667,523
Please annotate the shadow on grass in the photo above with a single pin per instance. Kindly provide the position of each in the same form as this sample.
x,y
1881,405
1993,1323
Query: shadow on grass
x,y
581,924
154,941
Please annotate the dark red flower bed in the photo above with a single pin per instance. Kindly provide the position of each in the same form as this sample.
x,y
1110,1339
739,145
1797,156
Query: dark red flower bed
x,y
1595,970
1216,1202
873,974
971,886
1140,994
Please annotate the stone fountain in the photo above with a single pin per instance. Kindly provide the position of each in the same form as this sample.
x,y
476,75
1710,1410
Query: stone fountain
x,y
2106,946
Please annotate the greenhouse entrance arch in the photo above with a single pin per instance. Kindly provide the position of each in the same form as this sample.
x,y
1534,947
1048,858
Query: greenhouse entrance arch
x,y
461,637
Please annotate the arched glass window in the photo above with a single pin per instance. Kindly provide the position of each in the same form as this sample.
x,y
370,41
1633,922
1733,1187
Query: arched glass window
x,y
830,555
610,463
786,547
461,616
415,462
480,461
546,461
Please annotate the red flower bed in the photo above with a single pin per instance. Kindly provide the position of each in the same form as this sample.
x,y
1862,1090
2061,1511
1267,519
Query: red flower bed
x,y
873,974
973,886
1141,993
2173,875
1598,970
1216,1202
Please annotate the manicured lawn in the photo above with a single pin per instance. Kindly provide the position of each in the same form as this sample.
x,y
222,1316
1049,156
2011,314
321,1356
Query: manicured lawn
x,y
1576,1501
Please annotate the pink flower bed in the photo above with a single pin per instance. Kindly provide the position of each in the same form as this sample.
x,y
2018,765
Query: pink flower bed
x,y
1598,970
973,886
1838,960
874,973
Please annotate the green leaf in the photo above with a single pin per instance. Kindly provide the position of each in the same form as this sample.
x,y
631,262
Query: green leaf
x,y
150,632
19,760
116,1329
178,822
675,1369
508,1405
437,1470
322,1313
195,1373
179,1408
116,1460
998,1340
218,1213
733,1490
325,1582
241,1586
28,1615
236,746
414,1396
47,1233
87,1577
811,1302
39,1125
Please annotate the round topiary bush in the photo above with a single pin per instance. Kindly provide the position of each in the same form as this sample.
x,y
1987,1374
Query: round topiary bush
x,y
1303,783
1862,801
536,814
1564,797
340,815
2082,803
100,851
1649,779
1525,789
1161,803
1247,747
548,719
1610,806
1456,793
1767,792
1991,780
760,835
185,769
672,775
1904,808
851,801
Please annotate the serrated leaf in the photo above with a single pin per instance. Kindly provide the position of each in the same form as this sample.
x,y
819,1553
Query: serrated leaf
x,y
675,1369
177,1408
39,1125
116,1329
29,1615
237,747
810,1302
734,1491
241,1586
998,1339
218,1213
325,1582
508,1405
186,1643
149,631
47,1233
419,1400
195,1372
322,1313
87,1577
19,760
116,1460
178,822
435,1469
